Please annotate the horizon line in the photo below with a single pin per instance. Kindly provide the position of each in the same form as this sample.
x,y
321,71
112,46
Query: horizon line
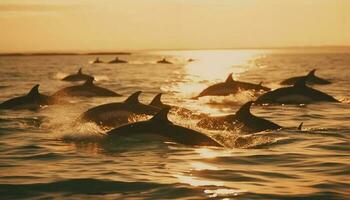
x,y
128,52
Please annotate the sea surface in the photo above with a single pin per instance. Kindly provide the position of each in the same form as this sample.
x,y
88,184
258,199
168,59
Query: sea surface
x,y
44,155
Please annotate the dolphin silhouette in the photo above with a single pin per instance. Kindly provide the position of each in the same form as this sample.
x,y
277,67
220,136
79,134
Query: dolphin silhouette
x,y
299,93
88,89
160,126
242,120
116,114
230,86
157,102
79,76
117,60
176,110
32,101
97,61
311,78
164,61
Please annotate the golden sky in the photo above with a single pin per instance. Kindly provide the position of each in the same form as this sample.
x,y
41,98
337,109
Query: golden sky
x,y
105,25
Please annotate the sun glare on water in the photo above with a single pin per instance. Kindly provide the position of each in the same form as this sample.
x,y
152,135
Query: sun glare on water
x,y
209,67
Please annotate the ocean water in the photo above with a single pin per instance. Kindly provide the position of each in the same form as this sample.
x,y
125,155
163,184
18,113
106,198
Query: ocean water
x,y
44,156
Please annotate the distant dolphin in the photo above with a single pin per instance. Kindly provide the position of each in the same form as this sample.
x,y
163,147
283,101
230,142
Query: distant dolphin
x,y
297,94
32,101
97,60
160,126
115,114
77,77
242,120
183,112
230,86
164,61
117,60
88,89
311,79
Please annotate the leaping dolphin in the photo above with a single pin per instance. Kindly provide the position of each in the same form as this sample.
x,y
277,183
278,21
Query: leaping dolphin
x,y
230,86
88,89
32,101
243,120
311,78
299,93
79,76
160,126
116,114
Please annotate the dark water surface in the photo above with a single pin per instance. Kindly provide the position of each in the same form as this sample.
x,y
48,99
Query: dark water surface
x,y
44,156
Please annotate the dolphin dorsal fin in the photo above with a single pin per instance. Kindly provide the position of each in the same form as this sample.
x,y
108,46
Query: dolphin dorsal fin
x,y
80,71
34,91
89,81
301,82
156,101
133,98
244,110
260,83
300,126
311,73
162,115
229,79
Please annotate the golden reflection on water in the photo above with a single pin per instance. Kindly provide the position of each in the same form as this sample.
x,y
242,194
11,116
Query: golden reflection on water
x,y
211,153
223,192
199,166
213,66
197,182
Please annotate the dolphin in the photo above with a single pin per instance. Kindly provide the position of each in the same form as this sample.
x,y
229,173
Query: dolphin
x,y
230,86
32,101
77,77
311,79
97,60
115,114
88,89
299,93
242,120
160,126
183,112
164,61
117,60
157,102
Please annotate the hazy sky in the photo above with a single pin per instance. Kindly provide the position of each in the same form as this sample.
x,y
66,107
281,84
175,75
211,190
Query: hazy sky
x,y
88,25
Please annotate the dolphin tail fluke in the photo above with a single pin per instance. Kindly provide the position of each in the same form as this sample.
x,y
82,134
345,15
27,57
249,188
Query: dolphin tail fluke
x,y
300,126
244,110
156,101
229,79
162,115
34,91
133,98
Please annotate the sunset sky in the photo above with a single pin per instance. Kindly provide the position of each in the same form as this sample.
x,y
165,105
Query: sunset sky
x,y
107,25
